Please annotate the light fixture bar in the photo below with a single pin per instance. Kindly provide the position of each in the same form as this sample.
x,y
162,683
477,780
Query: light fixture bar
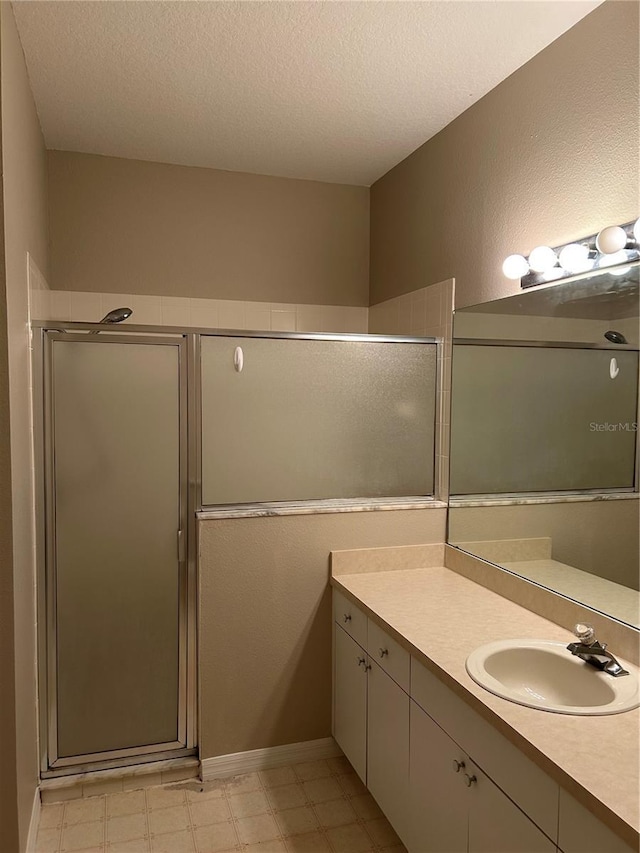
x,y
613,246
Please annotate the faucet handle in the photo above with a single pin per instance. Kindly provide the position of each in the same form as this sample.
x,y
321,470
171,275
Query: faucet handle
x,y
585,633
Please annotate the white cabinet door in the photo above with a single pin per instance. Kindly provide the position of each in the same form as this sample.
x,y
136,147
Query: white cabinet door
x,y
350,700
437,801
581,831
388,748
496,825
528,786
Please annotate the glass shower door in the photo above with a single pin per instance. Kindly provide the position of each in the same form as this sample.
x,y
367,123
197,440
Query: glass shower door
x,y
115,568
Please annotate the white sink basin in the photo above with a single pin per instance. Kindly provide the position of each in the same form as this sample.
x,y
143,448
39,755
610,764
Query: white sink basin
x,y
545,675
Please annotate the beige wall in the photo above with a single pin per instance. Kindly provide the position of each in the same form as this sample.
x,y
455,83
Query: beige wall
x,y
428,312
25,230
600,537
549,155
127,226
265,620
8,779
81,306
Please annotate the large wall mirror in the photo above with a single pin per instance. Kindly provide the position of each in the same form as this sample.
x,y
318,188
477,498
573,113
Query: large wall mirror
x,y
544,438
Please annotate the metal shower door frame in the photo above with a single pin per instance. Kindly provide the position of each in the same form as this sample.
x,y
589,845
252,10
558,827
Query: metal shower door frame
x,y
43,334
51,764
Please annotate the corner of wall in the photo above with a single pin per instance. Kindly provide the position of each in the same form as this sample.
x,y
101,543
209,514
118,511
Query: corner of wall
x,y
25,235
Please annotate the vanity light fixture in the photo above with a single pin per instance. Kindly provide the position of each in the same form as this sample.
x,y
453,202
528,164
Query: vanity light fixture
x,y
515,266
575,258
613,261
542,259
611,240
610,248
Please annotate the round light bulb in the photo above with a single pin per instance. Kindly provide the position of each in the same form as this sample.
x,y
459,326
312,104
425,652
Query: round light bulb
x,y
542,259
575,257
553,274
636,231
613,259
611,240
515,266
620,270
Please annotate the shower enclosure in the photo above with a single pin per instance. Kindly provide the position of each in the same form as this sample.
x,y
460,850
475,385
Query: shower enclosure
x,y
119,679
140,428
542,418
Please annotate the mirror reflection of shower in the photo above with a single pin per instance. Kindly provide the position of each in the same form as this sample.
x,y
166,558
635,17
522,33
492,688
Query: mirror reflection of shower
x,y
615,337
115,316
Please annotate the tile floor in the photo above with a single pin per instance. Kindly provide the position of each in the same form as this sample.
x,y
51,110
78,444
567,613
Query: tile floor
x,y
312,807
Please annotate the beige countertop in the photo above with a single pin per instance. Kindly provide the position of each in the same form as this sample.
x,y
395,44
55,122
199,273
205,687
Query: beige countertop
x,y
618,601
440,617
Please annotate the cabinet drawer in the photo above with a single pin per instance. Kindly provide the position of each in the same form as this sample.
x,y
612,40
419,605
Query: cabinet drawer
x,y
525,783
389,655
350,617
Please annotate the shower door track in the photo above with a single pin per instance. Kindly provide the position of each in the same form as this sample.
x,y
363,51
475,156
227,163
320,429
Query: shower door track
x,y
51,764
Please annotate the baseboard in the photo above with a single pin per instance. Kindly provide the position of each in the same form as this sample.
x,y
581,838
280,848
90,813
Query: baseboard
x,y
33,823
235,763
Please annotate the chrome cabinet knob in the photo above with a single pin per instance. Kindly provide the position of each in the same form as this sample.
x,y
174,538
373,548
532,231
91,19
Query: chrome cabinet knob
x,y
384,652
347,617
469,780
458,765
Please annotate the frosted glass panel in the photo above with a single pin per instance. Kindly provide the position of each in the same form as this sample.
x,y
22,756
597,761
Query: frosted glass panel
x,y
311,419
529,419
117,492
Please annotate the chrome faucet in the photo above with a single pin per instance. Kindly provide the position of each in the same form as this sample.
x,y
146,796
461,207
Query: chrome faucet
x,y
590,650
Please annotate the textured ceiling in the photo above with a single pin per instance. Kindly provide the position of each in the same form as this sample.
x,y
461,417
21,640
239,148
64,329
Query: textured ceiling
x,y
331,91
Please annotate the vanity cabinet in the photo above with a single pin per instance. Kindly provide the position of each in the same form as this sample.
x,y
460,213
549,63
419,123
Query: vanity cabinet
x,y
350,700
388,747
350,618
497,825
446,778
579,830
390,655
371,725
436,801
535,793
455,807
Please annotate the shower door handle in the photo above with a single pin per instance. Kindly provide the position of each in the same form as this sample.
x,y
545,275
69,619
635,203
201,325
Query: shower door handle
x,y
182,555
